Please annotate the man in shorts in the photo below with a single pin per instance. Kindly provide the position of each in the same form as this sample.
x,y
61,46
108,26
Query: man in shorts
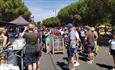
x,y
90,44
74,40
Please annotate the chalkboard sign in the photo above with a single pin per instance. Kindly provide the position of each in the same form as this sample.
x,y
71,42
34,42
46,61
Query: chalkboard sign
x,y
57,44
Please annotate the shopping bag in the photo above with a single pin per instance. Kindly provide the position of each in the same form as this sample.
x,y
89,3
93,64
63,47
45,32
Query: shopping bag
x,y
97,49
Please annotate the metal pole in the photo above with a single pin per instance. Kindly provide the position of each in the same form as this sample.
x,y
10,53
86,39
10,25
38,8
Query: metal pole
x,y
22,60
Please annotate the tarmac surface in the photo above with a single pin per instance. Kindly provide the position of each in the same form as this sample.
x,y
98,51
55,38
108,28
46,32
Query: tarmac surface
x,y
103,61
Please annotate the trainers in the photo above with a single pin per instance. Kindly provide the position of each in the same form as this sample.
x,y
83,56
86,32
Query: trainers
x,y
89,62
113,69
72,69
76,64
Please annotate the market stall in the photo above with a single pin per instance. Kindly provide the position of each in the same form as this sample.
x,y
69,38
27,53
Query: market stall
x,y
13,50
8,67
19,21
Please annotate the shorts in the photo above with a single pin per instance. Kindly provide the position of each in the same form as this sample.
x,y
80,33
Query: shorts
x,y
30,58
72,52
90,49
112,52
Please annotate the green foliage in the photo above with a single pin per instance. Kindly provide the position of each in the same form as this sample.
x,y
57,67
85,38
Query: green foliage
x,y
38,24
51,22
89,12
10,9
75,11
65,15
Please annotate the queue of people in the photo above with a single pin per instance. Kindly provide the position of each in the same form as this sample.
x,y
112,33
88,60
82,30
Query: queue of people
x,y
76,40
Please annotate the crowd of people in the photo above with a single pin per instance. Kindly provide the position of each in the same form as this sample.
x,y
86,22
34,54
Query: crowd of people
x,y
76,40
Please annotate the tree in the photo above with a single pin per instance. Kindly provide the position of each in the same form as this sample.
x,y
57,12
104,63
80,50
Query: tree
x,y
51,22
74,11
67,14
38,24
89,12
10,9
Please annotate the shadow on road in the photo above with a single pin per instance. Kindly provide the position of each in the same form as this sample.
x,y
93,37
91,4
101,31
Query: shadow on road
x,y
63,65
83,56
65,58
104,66
83,59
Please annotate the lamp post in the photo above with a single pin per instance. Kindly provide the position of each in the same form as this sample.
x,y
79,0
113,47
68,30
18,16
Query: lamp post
x,y
54,12
32,18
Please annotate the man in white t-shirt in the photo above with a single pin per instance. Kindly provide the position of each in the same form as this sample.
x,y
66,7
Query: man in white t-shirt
x,y
73,48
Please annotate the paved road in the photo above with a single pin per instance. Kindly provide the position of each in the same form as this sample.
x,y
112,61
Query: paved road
x,y
103,61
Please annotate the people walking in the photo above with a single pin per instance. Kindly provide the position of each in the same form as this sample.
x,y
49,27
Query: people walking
x,y
73,48
90,44
112,48
96,37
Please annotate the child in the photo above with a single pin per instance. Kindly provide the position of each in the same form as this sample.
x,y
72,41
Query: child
x,y
112,47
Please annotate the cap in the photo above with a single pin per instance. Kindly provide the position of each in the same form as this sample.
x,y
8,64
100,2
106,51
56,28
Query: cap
x,y
70,25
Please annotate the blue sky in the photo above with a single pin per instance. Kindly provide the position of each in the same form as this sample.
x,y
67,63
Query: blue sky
x,y
42,9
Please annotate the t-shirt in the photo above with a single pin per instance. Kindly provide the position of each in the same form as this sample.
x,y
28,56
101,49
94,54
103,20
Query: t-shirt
x,y
90,38
62,32
82,33
112,44
31,40
74,35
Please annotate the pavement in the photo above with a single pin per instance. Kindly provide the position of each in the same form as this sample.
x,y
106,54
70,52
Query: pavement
x,y
103,61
